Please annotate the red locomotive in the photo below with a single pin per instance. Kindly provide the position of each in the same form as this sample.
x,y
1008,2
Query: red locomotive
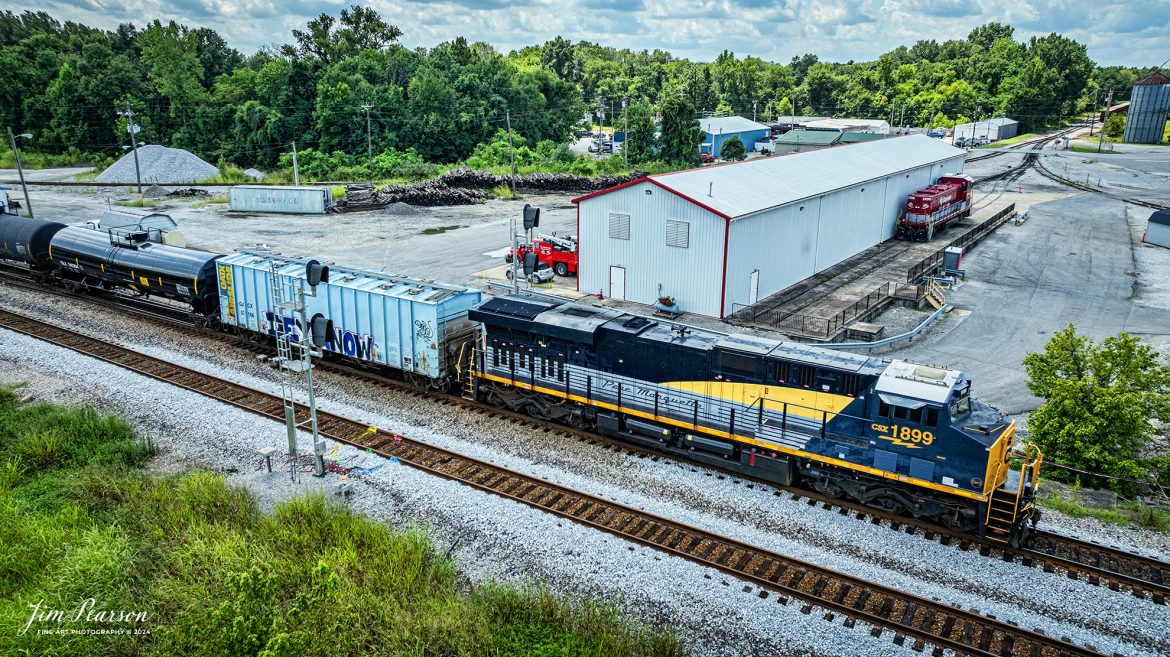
x,y
930,210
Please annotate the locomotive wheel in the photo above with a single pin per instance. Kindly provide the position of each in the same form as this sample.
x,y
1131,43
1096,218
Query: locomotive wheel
x,y
889,504
561,269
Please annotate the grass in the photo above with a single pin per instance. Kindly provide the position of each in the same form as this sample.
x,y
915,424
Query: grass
x,y
339,192
1078,148
138,203
1125,515
80,518
506,193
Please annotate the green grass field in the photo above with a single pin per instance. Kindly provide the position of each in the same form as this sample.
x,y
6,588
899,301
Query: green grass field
x,y
216,577
1008,142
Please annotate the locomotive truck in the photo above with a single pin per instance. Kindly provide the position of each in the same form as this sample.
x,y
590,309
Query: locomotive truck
x,y
901,436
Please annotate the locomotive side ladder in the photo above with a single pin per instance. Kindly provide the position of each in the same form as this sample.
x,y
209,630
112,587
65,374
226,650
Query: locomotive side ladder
x,y
1004,505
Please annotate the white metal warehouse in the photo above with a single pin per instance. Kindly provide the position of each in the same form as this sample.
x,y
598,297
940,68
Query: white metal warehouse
x,y
722,237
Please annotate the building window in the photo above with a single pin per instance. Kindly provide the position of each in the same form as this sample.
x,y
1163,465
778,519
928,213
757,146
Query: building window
x,y
678,233
619,226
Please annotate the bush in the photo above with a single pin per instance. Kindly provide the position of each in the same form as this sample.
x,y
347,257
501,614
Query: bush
x,y
1114,125
732,149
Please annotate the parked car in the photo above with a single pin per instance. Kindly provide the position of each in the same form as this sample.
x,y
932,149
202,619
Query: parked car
x,y
706,157
583,133
543,274
961,142
982,140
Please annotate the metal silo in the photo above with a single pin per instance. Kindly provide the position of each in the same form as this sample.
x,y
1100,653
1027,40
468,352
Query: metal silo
x,y
1149,104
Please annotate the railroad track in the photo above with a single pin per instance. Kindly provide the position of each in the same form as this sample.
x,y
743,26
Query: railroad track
x,y
1093,563
906,616
1048,173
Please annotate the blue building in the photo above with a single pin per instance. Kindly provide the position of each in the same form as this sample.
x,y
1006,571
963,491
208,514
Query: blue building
x,y
721,128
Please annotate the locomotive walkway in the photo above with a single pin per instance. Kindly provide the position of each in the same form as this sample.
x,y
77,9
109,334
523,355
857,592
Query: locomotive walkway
x,y
904,615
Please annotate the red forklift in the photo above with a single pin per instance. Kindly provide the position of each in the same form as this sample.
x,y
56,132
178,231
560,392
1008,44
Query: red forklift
x,y
560,253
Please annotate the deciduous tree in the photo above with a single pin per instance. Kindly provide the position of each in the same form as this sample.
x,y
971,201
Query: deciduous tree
x,y
1099,400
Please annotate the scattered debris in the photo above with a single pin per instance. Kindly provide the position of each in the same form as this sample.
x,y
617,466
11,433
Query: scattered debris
x,y
188,192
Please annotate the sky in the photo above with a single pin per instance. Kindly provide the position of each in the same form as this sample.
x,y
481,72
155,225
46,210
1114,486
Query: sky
x,y
1117,32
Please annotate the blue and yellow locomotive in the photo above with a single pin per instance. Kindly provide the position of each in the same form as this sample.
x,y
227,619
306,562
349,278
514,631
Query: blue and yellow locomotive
x,y
904,437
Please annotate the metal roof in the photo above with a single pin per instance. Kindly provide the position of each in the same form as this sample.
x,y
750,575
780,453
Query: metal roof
x,y
730,125
809,137
743,188
1155,77
918,381
997,121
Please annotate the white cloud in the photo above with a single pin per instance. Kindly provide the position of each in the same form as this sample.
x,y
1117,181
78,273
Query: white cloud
x,y
1115,31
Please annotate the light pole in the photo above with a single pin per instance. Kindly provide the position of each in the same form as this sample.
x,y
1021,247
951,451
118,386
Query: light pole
x,y
369,141
626,128
20,169
133,130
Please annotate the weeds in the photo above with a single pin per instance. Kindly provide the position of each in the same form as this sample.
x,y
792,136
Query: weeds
x,y
218,577
138,203
1127,514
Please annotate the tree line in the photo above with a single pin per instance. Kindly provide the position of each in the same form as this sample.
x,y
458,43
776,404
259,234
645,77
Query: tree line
x,y
66,84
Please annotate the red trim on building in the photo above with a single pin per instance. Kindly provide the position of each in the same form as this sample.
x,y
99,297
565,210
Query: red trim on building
x,y
610,189
723,287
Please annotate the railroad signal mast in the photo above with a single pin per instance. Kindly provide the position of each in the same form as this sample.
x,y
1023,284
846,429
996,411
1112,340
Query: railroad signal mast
x,y
295,349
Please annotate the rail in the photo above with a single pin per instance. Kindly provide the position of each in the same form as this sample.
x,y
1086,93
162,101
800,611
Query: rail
x,y
931,262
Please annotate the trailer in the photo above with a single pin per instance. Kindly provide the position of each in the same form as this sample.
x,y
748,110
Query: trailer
x,y
280,199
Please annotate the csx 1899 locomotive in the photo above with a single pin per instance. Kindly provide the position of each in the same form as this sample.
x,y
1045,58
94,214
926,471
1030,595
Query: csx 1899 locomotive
x,y
900,436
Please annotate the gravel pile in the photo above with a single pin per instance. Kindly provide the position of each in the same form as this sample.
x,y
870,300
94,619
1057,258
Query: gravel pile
x,y
503,540
159,165
400,209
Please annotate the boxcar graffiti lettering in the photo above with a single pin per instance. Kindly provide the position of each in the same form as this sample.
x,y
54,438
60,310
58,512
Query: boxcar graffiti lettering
x,y
346,342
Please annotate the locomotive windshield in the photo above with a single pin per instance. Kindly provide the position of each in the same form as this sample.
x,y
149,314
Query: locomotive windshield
x,y
961,404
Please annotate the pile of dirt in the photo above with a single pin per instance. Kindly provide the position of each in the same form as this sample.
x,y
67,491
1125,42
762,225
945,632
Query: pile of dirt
x,y
400,209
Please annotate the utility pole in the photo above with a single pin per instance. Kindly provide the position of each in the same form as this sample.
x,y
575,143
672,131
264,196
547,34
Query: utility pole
x,y
296,171
1093,116
754,104
512,157
1101,135
369,141
902,119
626,128
20,169
133,129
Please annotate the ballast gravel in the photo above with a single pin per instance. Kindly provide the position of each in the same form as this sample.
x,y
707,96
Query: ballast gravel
x,y
495,538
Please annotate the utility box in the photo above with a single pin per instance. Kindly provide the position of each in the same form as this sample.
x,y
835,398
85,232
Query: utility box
x,y
952,258
280,199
